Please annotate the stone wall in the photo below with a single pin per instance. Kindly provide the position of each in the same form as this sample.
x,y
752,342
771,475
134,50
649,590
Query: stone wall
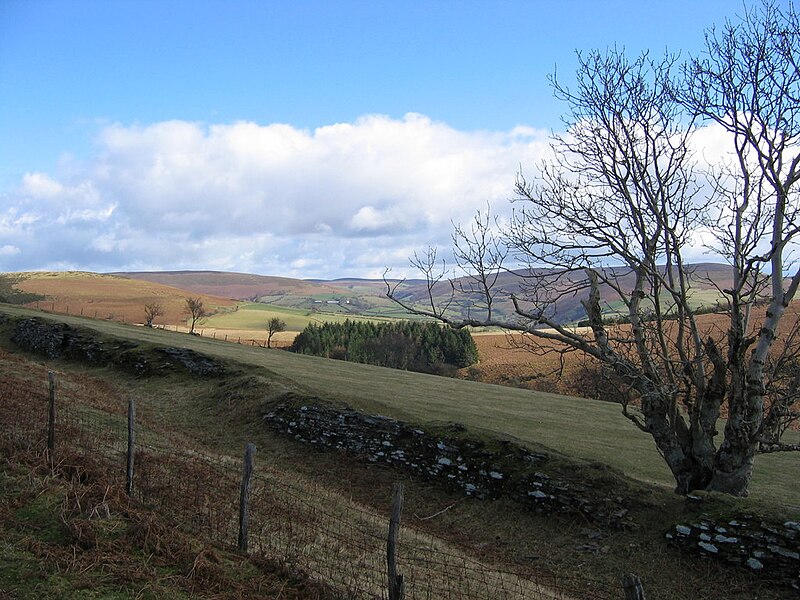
x,y
59,340
468,464
770,549
508,470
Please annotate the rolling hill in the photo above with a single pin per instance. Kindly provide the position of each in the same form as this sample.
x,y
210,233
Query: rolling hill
x,y
215,417
117,298
367,297
110,297
345,296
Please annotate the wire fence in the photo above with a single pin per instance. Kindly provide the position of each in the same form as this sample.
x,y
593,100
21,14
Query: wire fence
x,y
291,518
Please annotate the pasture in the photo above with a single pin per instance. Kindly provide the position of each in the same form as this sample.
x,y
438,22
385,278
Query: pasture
x,y
578,428
111,298
114,298
252,316
220,415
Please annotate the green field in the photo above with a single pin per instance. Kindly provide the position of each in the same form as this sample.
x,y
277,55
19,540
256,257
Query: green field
x,y
698,298
576,427
254,316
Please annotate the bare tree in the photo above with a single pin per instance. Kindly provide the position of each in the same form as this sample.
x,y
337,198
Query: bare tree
x,y
152,310
274,325
610,217
196,311
749,85
480,255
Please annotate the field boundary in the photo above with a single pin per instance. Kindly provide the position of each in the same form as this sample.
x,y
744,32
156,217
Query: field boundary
x,y
296,522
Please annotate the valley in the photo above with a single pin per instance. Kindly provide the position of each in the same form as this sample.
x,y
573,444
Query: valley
x,y
218,415
545,416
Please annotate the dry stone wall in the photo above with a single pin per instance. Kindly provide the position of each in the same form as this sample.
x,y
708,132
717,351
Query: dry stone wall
x,y
59,340
473,467
467,464
770,549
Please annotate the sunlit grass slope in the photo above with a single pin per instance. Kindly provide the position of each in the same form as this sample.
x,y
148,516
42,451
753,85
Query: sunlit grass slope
x,y
109,297
254,316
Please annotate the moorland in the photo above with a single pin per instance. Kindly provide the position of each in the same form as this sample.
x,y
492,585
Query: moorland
x,y
581,435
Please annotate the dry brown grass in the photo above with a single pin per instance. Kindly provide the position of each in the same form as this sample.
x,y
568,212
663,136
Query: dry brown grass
x,y
113,298
505,360
492,533
294,520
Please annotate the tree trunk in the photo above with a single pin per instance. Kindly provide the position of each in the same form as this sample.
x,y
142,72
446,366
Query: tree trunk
x,y
732,476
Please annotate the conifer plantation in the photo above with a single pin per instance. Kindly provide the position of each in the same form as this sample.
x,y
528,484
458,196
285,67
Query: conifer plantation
x,y
408,345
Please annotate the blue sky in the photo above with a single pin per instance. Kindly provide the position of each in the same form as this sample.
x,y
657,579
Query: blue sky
x,y
315,139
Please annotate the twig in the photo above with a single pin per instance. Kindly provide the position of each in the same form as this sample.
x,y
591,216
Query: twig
x,y
436,514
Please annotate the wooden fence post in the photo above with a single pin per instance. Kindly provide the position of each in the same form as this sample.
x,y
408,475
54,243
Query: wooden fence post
x,y
51,420
633,587
396,585
244,496
131,445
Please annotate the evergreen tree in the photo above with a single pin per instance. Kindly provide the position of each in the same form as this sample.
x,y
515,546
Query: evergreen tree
x,y
410,345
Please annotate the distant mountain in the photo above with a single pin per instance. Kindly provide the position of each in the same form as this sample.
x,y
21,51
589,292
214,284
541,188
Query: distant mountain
x,y
707,279
239,286
346,296
368,296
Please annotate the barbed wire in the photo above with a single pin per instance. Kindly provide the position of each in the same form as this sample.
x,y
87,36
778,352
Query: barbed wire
x,y
292,519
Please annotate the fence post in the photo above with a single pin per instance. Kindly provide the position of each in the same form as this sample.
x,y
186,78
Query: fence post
x,y
51,420
396,585
131,445
244,496
633,587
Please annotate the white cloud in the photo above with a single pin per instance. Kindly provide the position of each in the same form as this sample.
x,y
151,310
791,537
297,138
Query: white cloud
x,y
40,185
273,199
9,250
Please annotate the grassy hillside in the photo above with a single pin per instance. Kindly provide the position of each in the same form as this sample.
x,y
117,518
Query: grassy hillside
x,y
109,297
707,278
591,431
195,416
367,297
118,298
54,547
324,299
254,316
